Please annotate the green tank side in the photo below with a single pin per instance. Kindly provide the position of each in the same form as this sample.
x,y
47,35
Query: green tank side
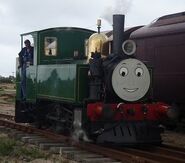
x,y
31,84
18,80
67,82
82,82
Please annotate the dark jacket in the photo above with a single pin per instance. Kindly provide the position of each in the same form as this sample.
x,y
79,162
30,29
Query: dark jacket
x,y
25,56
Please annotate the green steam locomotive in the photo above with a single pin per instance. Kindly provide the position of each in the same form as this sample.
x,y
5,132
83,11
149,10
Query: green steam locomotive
x,y
83,83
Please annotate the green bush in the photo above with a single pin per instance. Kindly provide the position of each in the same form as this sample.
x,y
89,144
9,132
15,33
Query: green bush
x,y
10,79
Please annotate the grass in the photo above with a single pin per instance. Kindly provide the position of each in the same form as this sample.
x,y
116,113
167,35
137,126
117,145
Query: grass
x,y
12,151
12,148
6,146
32,153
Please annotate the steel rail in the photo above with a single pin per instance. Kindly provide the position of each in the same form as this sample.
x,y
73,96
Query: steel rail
x,y
7,116
157,156
166,150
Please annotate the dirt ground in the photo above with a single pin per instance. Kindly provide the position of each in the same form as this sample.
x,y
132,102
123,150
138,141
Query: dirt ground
x,y
174,138
7,98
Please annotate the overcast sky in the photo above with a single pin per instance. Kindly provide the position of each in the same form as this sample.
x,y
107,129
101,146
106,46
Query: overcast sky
x,y
20,16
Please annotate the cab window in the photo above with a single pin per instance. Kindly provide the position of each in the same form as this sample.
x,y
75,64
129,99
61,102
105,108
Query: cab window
x,y
50,46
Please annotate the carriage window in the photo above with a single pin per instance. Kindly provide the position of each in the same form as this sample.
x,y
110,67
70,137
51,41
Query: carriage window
x,y
50,46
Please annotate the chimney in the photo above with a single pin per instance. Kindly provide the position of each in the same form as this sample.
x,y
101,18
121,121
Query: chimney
x,y
118,31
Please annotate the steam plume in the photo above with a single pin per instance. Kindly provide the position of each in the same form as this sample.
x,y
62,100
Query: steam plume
x,y
118,7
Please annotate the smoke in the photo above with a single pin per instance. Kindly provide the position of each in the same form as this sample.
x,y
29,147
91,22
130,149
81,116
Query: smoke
x,y
118,7
80,135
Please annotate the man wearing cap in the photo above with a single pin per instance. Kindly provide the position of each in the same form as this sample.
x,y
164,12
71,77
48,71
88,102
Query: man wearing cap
x,y
25,59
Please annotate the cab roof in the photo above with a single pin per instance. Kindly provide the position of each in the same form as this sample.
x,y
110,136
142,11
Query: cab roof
x,y
56,29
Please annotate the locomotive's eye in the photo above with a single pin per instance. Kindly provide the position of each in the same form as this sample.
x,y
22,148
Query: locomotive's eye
x,y
139,72
123,71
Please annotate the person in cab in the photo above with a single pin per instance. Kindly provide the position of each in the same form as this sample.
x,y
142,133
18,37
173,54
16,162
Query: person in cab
x,y
25,60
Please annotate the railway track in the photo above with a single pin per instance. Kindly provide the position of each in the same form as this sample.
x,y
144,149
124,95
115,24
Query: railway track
x,y
7,116
149,154
166,154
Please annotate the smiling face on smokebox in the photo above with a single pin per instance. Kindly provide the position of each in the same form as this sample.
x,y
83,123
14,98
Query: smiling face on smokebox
x,y
130,79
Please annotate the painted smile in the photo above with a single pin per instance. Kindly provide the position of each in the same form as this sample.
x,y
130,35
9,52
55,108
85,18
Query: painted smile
x,y
130,90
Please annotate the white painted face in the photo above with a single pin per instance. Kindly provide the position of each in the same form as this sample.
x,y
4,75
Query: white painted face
x,y
130,79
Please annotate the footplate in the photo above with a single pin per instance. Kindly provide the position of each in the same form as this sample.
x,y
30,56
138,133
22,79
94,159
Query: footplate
x,y
22,114
129,133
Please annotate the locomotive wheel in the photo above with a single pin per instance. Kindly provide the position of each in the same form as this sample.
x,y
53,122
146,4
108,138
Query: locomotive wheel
x,y
60,119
